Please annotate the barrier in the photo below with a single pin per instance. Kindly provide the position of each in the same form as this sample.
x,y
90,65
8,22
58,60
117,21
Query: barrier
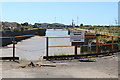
x,y
14,47
97,45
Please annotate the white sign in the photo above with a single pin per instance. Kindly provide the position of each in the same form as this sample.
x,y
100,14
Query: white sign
x,y
77,36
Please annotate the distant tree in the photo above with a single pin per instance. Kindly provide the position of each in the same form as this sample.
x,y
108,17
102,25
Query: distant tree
x,y
7,28
81,24
24,24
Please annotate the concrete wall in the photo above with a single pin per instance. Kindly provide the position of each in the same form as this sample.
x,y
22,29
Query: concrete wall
x,y
6,41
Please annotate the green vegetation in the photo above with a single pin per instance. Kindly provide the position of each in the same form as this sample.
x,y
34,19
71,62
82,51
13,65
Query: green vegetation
x,y
60,54
84,53
49,26
64,54
111,30
14,26
22,60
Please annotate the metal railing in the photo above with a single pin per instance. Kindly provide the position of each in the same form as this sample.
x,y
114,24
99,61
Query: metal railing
x,y
97,44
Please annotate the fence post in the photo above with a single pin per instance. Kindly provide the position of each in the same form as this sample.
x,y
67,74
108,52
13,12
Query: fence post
x,y
13,49
75,51
97,45
47,47
112,43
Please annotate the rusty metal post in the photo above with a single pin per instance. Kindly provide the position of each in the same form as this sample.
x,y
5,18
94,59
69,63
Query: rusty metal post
x,y
47,47
97,45
13,49
75,51
112,44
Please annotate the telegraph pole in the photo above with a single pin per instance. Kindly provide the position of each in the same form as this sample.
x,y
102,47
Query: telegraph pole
x,y
55,19
77,20
116,22
73,25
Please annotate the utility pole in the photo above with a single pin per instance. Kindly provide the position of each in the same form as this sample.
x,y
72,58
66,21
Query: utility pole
x,y
73,25
55,19
116,22
77,20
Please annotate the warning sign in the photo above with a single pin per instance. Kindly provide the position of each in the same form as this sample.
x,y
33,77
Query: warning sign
x,y
77,36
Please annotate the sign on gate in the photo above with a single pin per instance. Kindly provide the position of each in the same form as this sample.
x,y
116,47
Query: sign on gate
x,y
77,36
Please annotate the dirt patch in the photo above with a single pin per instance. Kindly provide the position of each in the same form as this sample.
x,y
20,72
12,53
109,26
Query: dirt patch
x,y
104,67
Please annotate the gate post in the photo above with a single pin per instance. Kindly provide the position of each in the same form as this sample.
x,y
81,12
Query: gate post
x,y
13,48
97,46
75,51
112,44
47,47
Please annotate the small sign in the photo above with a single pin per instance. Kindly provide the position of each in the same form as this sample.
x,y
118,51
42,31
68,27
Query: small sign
x,y
77,36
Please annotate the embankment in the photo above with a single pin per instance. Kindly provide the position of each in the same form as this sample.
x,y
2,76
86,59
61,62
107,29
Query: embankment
x,y
6,41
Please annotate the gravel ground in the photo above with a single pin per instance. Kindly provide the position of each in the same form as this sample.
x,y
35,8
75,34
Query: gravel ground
x,y
104,67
